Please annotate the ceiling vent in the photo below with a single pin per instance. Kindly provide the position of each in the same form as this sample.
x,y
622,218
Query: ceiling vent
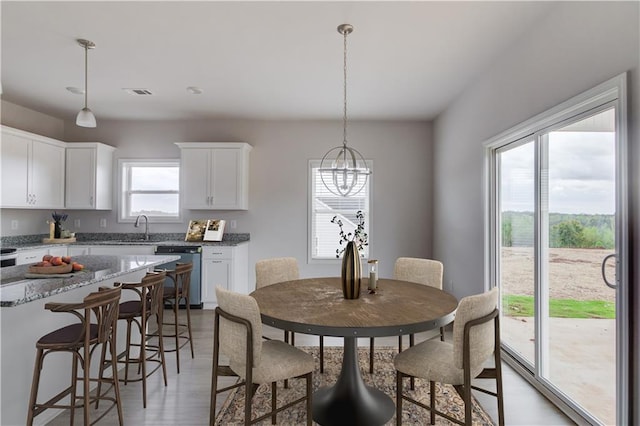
x,y
138,92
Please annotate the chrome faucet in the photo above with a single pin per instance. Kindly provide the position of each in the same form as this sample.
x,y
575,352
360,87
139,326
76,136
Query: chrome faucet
x,y
146,225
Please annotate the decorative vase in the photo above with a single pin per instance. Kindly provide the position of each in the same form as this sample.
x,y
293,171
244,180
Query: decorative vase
x,y
57,230
351,271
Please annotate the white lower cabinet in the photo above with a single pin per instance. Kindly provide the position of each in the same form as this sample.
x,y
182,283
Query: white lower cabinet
x,y
30,256
78,250
58,251
226,267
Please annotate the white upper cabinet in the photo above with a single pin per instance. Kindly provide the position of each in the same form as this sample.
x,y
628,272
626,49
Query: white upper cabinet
x,y
214,175
33,170
89,180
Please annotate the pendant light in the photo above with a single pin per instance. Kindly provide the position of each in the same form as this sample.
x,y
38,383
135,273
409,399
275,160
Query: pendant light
x,y
85,117
343,169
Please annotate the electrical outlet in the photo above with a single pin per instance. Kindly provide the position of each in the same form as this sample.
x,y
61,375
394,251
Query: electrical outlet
x,y
76,223
103,223
233,224
14,225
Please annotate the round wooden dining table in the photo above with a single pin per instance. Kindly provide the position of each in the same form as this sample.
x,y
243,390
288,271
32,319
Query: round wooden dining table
x,y
317,306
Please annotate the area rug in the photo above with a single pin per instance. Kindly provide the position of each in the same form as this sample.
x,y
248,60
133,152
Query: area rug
x,y
384,378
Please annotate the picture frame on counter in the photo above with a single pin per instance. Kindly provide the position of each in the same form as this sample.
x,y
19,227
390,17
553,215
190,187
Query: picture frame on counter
x,y
205,230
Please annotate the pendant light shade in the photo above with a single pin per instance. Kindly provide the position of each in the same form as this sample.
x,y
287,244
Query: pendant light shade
x,y
85,117
343,169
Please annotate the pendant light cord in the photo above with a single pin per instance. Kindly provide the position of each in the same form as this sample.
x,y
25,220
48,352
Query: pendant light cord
x,y
86,71
344,117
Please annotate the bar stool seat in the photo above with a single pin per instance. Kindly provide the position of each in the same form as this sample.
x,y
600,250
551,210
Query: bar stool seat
x,y
81,339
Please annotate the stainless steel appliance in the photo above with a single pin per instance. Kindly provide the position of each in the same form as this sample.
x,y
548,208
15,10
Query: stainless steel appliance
x,y
187,254
8,256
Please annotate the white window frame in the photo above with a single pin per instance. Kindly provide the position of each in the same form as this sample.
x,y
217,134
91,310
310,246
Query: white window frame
x,y
124,166
311,259
611,92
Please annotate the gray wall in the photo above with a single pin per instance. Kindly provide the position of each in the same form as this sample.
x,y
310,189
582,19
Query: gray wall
x,y
277,215
577,46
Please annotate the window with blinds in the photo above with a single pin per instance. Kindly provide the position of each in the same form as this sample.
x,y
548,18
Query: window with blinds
x,y
324,236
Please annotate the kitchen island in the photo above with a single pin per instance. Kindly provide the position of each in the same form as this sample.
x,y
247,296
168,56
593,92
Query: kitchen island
x,y
23,320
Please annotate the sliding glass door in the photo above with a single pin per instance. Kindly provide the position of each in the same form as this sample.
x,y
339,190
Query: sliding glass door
x,y
557,227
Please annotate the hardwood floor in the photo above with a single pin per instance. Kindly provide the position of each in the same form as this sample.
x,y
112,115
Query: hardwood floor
x,y
185,401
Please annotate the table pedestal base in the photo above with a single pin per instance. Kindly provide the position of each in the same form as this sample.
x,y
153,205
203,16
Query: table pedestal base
x,y
350,401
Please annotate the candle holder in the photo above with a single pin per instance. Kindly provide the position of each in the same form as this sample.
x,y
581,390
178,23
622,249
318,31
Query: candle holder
x,y
373,275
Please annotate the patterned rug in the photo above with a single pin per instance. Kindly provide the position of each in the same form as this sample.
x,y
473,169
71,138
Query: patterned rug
x,y
447,399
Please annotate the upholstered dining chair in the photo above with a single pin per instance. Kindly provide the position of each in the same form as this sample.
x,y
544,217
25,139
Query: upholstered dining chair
x,y
476,335
97,326
415,270
276,270
237,335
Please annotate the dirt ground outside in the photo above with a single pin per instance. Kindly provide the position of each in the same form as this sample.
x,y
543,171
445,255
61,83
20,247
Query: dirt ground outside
x,y
573,273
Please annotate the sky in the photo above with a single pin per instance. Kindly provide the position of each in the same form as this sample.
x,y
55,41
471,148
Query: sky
x,y
581,174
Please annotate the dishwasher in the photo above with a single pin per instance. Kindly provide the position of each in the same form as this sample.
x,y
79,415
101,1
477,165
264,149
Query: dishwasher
x,y
188,254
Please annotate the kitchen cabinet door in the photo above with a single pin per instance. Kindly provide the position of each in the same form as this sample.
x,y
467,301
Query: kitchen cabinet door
x,y
58,251
47,174
215,273
214,176
195,178
33,170
30,256
15,167
224,266
89,176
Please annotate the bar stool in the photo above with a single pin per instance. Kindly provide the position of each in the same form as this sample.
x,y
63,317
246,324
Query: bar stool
x,y
174,294
81,339
139,312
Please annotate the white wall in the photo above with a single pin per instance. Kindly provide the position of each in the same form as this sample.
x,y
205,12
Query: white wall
x,y
277,215
579,45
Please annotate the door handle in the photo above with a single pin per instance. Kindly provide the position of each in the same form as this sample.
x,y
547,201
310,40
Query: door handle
x,y
604,275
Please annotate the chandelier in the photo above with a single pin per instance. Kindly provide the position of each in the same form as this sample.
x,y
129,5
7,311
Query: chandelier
x,y
343,169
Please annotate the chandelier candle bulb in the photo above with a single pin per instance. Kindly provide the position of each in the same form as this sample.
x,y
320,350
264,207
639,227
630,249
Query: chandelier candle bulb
x,y
373,275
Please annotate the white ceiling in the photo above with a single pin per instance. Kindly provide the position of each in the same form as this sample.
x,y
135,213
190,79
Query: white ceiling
x,y
257,60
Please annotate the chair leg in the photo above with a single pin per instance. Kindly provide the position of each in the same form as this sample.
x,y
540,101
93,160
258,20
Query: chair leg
x,y
142,359
34,387
74,386
127,352
321,354
371,344
189,327
499,394
114,378
103,355
398,398
309,401
161,348
175,318
442,334
248,396
467,404
274,388
432,402
412,380
86,373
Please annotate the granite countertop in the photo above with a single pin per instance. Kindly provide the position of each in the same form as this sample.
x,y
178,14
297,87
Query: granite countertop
x,y
95,239
16,290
